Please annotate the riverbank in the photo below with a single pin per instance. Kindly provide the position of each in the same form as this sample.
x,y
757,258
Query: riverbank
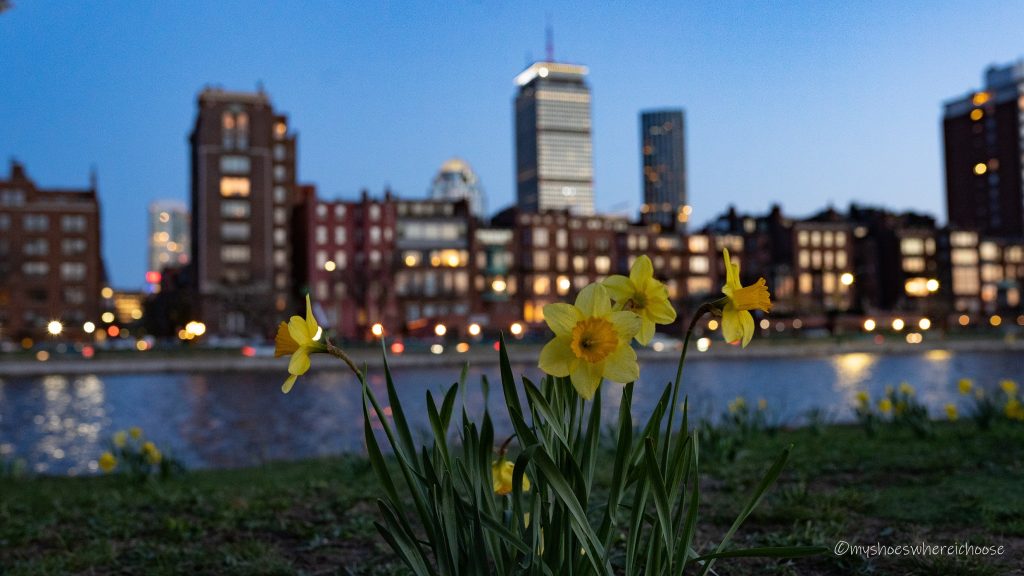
x,y
316,516
123,362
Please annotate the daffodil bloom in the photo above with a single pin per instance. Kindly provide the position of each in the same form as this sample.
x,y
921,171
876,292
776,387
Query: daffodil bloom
x,y
965,385
1008,386
906,389
107,462
152,453
737,323
863,399
951,412
591,341
885,405
1013,409
501,474
300,338
120,439
642,294
135,432
737,405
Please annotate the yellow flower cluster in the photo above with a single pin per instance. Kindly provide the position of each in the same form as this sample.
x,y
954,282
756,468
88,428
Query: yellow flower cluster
x,y
593,336
107,462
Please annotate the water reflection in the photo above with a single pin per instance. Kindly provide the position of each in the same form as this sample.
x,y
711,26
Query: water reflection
x,y
60,424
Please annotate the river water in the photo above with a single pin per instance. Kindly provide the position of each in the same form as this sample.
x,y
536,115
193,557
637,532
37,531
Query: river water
x,y
60,424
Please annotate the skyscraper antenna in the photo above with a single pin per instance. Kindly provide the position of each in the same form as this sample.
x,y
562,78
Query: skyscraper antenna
x,y
549,43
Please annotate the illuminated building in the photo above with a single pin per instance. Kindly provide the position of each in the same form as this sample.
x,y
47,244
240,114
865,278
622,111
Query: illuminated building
x,y
243,196
554,151
457,181
50,263
983,133
663,158
168,238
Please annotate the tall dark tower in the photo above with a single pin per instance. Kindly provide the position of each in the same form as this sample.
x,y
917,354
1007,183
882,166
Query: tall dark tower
x,y
983,141
243,195
554,151
663,154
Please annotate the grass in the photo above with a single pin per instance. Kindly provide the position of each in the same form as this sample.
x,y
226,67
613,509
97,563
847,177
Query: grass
x,y
316,516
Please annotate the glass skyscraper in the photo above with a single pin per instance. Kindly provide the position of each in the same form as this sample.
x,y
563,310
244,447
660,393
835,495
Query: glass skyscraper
x,y
663,152
554,151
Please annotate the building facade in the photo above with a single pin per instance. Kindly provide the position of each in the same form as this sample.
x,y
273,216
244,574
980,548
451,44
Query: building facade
x,y
457,181
243,196
554,150
982,133
169,245
50,262
663,159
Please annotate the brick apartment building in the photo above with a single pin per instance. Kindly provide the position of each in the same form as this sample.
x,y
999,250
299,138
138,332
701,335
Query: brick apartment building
x,y
50,263
243,196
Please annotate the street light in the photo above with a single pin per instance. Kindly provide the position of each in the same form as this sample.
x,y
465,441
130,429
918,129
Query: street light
x,y
440,329
516,328
474,329
377,329
89,327
846,279
54,327
869,325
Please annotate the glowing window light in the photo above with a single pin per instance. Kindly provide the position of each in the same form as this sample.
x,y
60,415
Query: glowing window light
x,y
980,168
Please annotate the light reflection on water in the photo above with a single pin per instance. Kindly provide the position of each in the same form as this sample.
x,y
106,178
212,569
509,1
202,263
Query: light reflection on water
x,y
60,424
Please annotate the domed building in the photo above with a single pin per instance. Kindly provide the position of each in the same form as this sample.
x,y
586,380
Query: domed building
x,y
456,181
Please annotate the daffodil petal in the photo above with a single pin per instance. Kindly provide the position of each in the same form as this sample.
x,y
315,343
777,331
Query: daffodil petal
x,y
283,342
586,377
561,318
748,326
626,323
557,357
619,287
646,332
299,363
642,269
661,311
732,326
297,327
732,274
287,386
311,324
593,300
621,366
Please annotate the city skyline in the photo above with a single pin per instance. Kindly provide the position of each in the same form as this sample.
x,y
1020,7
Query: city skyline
x,y
749,83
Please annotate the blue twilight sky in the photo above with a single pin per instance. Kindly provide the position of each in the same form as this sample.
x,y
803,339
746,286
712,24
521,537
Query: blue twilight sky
x,y
803,103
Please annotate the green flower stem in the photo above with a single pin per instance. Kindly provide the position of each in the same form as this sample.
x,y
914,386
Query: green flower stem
x,y
339,353
704,308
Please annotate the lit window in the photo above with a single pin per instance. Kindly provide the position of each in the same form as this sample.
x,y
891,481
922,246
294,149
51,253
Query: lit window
x,y
35,268
280,216
339,234
541,285
541,260
72,271
806,283
321,235
234,254
980,168
234,186
977,114
280,129
339,210
602,264
280,258
280,238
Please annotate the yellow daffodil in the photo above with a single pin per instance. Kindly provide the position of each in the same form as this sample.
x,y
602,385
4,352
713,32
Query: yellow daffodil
x,y
951,412
591,341
1013,409
300,338
885,405
863,398
152,453
501,474
107,462
135,432
737,323
1008,386
965,385
120,439
737,405
642,294
906,389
